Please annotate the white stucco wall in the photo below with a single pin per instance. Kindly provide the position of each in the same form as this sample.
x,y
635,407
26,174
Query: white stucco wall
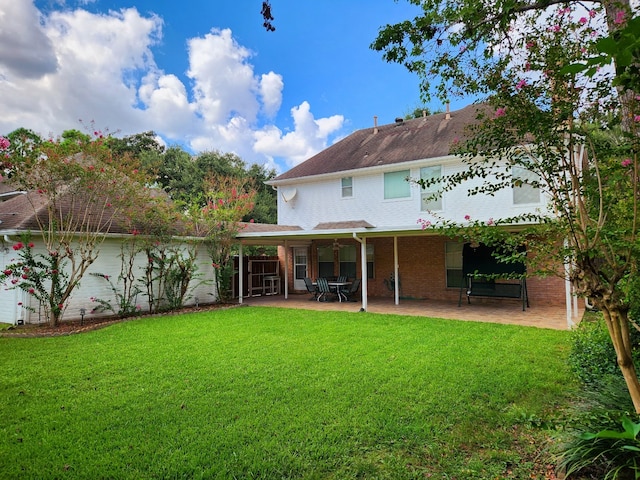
x,y
107,263
320,200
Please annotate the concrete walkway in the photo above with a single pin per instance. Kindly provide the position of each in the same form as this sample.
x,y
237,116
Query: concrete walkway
x,y
480,310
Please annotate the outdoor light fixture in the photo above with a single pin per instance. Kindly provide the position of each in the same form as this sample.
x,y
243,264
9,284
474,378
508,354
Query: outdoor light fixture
x,y
197,300
82,314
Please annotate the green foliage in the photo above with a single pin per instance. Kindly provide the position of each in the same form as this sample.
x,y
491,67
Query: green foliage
x,y
592,354
594,443
126,298
42,276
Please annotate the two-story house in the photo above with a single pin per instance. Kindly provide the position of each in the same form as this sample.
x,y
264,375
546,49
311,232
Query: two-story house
x,y
352,210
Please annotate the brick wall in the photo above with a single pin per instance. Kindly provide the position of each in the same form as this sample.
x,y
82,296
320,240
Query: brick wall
x,y
422,271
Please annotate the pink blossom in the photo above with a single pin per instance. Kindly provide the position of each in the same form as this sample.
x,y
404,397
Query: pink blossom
x,y
626,162
4,143
31,245
500,112
530,45
32,291
636,118
18,246
620,17
555,28
467,217
491,222
583,20
19,304
7,272
252,221
592,13
521,84
14,281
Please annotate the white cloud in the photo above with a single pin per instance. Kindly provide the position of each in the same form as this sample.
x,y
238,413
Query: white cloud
x,y
75,65
308,138
25,50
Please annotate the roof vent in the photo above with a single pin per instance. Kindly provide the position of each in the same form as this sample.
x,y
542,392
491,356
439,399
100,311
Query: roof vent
x,y
399,120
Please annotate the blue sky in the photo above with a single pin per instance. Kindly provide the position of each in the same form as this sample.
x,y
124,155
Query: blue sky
x,y
203,74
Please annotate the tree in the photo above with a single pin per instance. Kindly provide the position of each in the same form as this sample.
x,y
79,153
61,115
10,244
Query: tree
x,y
554,116
228,200
77,188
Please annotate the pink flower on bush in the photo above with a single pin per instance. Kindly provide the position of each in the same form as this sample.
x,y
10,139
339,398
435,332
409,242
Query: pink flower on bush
x,y
4,143
18,246
636,118
521,84
31,245
32,291
626,162
467,217
14,281
7,272
620,18
491,222
500,112
583,20
592,13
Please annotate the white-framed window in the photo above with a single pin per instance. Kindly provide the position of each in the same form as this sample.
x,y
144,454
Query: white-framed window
x,y
453,264
430,199
523,190
348,256
396,184
346,184
325,261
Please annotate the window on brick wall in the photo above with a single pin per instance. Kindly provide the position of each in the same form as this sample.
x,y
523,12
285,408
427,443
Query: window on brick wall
x,y
348,257
453,264
325,261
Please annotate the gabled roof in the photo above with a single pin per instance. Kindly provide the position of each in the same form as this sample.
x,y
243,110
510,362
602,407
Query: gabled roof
x,y
415,139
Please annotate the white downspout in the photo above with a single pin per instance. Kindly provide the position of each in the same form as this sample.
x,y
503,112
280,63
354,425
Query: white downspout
x,y
286,269
363,269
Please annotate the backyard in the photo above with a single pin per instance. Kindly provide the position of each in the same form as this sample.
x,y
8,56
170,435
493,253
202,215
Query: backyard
x,y
257,392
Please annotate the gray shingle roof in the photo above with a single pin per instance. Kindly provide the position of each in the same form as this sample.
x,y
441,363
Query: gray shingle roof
x,y
415,139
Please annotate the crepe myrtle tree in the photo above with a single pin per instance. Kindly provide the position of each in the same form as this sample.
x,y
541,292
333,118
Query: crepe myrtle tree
x,y
76,189
568,132
227,200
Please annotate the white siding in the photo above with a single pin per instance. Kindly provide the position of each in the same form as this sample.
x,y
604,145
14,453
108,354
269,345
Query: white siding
x,y
107,263
321,201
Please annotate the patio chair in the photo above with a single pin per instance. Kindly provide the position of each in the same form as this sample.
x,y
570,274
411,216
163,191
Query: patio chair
x,y
323,289
311,288
342,278
352,292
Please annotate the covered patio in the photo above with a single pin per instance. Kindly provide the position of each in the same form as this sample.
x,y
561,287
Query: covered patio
x,y
480,310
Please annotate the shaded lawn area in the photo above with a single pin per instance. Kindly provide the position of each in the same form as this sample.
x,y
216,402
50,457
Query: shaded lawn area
x,y
272,393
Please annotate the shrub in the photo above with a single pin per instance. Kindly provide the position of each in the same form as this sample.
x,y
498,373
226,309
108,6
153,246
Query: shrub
x,y
592,354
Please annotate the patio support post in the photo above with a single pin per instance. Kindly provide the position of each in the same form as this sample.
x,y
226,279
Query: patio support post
x,y
240,273
396,288
286,269
363,269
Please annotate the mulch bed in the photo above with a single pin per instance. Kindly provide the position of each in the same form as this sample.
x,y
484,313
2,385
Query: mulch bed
x,y
71,327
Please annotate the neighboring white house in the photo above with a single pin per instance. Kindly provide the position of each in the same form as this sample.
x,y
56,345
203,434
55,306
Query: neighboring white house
x,y
17,217
353,212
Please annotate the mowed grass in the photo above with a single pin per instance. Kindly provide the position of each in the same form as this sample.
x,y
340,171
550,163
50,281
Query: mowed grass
x,y
274,393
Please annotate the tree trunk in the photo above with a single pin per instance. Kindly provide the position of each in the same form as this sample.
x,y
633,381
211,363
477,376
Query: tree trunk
x,y
617,322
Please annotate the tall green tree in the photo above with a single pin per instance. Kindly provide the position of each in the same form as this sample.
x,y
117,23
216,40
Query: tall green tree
x,y
555,122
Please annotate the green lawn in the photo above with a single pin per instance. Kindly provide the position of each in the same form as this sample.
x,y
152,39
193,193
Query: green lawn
x,y
277,393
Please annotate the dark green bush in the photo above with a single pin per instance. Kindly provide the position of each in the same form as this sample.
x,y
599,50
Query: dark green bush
x,y
592,354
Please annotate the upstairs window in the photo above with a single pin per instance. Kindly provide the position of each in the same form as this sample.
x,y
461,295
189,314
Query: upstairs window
x,y
525,190
347,187
396,185
430,199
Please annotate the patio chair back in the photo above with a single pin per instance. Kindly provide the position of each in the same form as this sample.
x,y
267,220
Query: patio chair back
x,y
353,289
311,288
323,288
